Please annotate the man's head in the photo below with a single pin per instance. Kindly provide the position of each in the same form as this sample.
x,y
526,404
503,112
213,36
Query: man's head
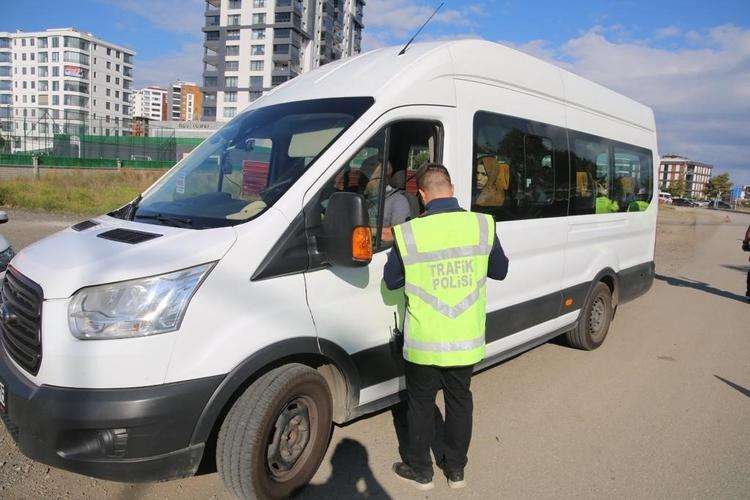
x,y
434,181
371,172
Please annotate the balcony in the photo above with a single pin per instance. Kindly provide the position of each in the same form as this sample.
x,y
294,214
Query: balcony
x,y
213,7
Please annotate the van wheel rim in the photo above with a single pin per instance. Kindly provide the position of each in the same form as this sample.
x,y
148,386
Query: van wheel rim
x,y
596,317
291,435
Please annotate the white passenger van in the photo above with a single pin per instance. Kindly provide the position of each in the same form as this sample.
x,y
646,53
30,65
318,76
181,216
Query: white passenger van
x,y
235,308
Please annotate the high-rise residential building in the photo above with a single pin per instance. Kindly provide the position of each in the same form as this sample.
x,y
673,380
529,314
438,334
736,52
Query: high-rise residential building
x,y
695,174
253,45
149,103
185,102
63,81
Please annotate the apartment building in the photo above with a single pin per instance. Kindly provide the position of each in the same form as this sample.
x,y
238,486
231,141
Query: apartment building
x,y
149,103
185,102
62,81
253,45
695,174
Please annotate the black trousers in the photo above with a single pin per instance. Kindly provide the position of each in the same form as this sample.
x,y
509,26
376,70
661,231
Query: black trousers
x,y
422,384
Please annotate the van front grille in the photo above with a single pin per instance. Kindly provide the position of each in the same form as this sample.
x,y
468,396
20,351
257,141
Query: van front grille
x,y
21,320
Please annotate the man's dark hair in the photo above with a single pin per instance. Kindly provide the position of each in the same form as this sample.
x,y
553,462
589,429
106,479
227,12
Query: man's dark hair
x,y
432,176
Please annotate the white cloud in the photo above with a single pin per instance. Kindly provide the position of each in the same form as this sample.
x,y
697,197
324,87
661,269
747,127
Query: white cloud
x,y
389,22
177,16
183,65
667,32
700,95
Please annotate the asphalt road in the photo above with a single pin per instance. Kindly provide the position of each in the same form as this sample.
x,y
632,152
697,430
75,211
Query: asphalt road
x,y
661,410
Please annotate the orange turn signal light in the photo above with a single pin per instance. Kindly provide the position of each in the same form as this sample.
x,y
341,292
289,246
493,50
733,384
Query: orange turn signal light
x,y
568,302
362,244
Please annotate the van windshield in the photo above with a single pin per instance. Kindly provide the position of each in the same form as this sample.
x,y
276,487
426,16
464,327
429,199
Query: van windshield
x,y
246,166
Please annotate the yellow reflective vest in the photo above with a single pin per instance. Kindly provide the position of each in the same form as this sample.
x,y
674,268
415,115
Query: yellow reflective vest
x,y
445,257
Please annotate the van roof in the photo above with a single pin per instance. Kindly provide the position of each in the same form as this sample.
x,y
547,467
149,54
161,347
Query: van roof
x,y
427,72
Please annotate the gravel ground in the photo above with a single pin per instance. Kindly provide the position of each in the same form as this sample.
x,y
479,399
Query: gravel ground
x,y
680,232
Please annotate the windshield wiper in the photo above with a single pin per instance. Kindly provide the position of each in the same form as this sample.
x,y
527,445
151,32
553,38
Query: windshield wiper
x,y
167,220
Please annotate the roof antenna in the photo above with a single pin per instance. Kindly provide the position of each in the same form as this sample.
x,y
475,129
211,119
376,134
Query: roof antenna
x,y
420,29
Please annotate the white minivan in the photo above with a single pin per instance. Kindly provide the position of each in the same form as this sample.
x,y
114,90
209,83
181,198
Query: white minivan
x,y
236,309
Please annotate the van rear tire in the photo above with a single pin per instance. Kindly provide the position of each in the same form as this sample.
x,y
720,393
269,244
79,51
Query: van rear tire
x,y
593,324
276,434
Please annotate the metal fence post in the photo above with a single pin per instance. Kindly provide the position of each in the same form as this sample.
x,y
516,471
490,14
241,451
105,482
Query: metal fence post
x,y
35,166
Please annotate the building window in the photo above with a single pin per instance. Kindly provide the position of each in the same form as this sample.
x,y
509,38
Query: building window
x,y
210,81
282,33
55,57
255,94
258,34
43,71
233,20
212,36
230,81
232,66
55,70
231,35
42,44
230,96
258,50
283,17
43,57
233,50
259,3
235,4
256,65
256,82
109,65
259,19
230,112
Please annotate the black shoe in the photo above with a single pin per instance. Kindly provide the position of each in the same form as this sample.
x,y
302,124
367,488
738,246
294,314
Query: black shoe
x,y
456,479
405,472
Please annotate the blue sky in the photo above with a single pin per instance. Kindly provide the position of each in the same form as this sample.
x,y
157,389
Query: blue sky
x,y
688,60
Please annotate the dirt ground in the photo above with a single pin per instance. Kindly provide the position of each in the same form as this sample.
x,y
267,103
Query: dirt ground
x,y
680,232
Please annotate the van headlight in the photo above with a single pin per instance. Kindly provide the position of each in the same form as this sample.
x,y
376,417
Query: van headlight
x,y
134,308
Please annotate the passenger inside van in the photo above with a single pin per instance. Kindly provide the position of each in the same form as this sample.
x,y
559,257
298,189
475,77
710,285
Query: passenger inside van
x,y
491,182
396,208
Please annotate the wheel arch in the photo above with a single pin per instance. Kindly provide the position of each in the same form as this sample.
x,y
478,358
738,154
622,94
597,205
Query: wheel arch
x,y
329,359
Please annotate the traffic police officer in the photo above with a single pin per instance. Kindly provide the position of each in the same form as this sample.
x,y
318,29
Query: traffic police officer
x,y
442,259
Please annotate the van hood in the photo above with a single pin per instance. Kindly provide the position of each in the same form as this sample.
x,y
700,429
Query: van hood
x,y
87,254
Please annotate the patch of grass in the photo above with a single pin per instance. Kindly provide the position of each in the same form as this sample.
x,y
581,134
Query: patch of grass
x,y
79,192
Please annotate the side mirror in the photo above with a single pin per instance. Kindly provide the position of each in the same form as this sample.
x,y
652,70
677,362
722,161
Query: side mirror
x,y
346,238
3,217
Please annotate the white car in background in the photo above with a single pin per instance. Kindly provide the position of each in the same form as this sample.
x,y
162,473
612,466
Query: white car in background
x,y
665,198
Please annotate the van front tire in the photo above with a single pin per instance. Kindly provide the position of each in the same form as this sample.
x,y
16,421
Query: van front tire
x,y
593,324
276,434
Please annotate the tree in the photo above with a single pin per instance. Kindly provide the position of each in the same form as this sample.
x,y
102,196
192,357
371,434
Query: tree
x,y
677,188
718,187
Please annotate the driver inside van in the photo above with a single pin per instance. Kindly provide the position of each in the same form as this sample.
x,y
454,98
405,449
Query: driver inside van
x,y
396,208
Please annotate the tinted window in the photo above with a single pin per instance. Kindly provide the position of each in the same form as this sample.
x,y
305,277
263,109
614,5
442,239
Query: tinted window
x,y
520,170
633,178
590,157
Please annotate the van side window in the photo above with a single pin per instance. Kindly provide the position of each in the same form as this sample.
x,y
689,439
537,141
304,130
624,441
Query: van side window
x,y
590,158
633,184
518,171
390,192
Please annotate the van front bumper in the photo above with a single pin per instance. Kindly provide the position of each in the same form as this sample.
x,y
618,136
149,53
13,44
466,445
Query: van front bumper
x,y
130,435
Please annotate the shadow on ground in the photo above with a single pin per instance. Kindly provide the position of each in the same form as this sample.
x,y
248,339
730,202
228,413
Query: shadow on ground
x,y
699,285
739,388
351,476
742,269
